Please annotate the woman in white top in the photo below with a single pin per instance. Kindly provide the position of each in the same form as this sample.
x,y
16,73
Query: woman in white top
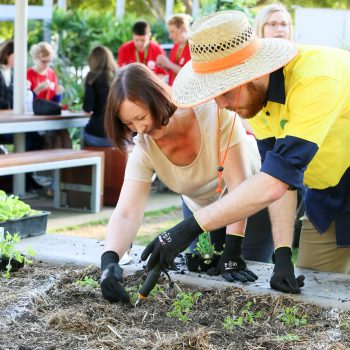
x,y
184,148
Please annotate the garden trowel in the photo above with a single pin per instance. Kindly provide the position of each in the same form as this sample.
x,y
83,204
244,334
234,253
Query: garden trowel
x,y
149,283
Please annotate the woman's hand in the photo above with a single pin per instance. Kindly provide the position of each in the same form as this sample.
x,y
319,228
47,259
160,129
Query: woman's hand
x,y
42,86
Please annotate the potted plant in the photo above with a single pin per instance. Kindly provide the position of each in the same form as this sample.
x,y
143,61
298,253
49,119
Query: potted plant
x,y
11,259
205,257
18,217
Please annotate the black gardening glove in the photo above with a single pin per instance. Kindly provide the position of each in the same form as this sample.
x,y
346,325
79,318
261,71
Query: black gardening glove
x,y
165,247
112,278
231,264
283,278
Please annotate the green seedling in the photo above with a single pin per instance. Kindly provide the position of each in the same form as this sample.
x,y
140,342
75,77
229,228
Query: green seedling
x,y
289,337
344,325
205,248
230,323
133,293
8,252
182,306
87,281
246,316
11,207
290,318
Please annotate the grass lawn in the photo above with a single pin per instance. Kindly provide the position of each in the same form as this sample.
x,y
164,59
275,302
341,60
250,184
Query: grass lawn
x,y
154,223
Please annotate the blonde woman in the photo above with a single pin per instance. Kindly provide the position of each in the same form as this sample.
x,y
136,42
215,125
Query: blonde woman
x,y
178,26
43,78
43,83
102,70
273,21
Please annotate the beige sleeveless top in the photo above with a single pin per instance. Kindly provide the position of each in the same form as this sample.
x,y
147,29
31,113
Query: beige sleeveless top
x,y
197,181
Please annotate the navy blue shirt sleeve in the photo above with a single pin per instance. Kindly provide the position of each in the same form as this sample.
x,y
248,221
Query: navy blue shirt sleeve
x,y
289,159
264,146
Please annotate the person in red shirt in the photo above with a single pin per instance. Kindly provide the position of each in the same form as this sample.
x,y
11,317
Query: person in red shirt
x,y
42,78
141,49
43,83
178,26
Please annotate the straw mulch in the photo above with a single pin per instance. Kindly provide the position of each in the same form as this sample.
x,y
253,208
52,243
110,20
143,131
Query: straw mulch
x,y
42,308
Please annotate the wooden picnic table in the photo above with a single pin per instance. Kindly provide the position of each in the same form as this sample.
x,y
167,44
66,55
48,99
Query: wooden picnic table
x,y
19,124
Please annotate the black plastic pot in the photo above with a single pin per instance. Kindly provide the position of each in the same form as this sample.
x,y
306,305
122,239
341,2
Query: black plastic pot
x,y
196,263
192,262
15,265
27,226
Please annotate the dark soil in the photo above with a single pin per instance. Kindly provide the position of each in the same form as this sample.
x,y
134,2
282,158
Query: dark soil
x,y
42,308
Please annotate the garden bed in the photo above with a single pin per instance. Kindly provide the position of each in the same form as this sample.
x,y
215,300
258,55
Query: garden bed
x,y
42,308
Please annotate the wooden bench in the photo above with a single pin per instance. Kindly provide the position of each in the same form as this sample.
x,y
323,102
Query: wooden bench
x,y
115,163
57,159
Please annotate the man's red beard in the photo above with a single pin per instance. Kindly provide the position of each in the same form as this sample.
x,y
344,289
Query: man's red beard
x,y
257,99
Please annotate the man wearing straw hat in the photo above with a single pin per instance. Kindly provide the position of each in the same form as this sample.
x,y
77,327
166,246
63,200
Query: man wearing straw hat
x,y
303,137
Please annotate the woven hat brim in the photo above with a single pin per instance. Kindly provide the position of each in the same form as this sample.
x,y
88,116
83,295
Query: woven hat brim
x,y
191,89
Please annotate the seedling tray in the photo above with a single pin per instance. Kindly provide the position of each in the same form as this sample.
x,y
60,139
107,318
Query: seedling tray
x,y
28,226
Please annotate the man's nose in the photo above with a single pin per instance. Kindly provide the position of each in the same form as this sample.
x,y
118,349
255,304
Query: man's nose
x,y
221,101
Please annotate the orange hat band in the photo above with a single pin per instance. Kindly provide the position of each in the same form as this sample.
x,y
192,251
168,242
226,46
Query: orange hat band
x,y
229,61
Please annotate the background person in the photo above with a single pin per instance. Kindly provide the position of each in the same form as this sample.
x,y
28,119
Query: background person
x,y
33,139
141,49
274,21
6,74
176,144
304,134
178,26
102,70
44,85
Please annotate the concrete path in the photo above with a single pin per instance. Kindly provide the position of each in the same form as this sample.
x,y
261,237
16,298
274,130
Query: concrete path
x,y
326,289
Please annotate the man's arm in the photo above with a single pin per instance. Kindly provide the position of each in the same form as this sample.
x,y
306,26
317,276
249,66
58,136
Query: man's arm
x,y
164,62
282,215
248,198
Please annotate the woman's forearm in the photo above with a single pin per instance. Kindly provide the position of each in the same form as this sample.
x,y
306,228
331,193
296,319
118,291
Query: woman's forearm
x,y
121,231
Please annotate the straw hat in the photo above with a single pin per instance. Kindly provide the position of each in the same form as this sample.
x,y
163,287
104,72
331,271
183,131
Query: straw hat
x,y
226,53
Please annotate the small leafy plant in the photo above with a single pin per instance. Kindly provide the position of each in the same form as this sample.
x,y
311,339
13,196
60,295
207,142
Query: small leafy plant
x,y
182,306
344,325
87,281
290,318
11,207
247,316
205,248
289,337
10,255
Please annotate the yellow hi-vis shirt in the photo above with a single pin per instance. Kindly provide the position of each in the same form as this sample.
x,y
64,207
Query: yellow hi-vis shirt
x,y
306,139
